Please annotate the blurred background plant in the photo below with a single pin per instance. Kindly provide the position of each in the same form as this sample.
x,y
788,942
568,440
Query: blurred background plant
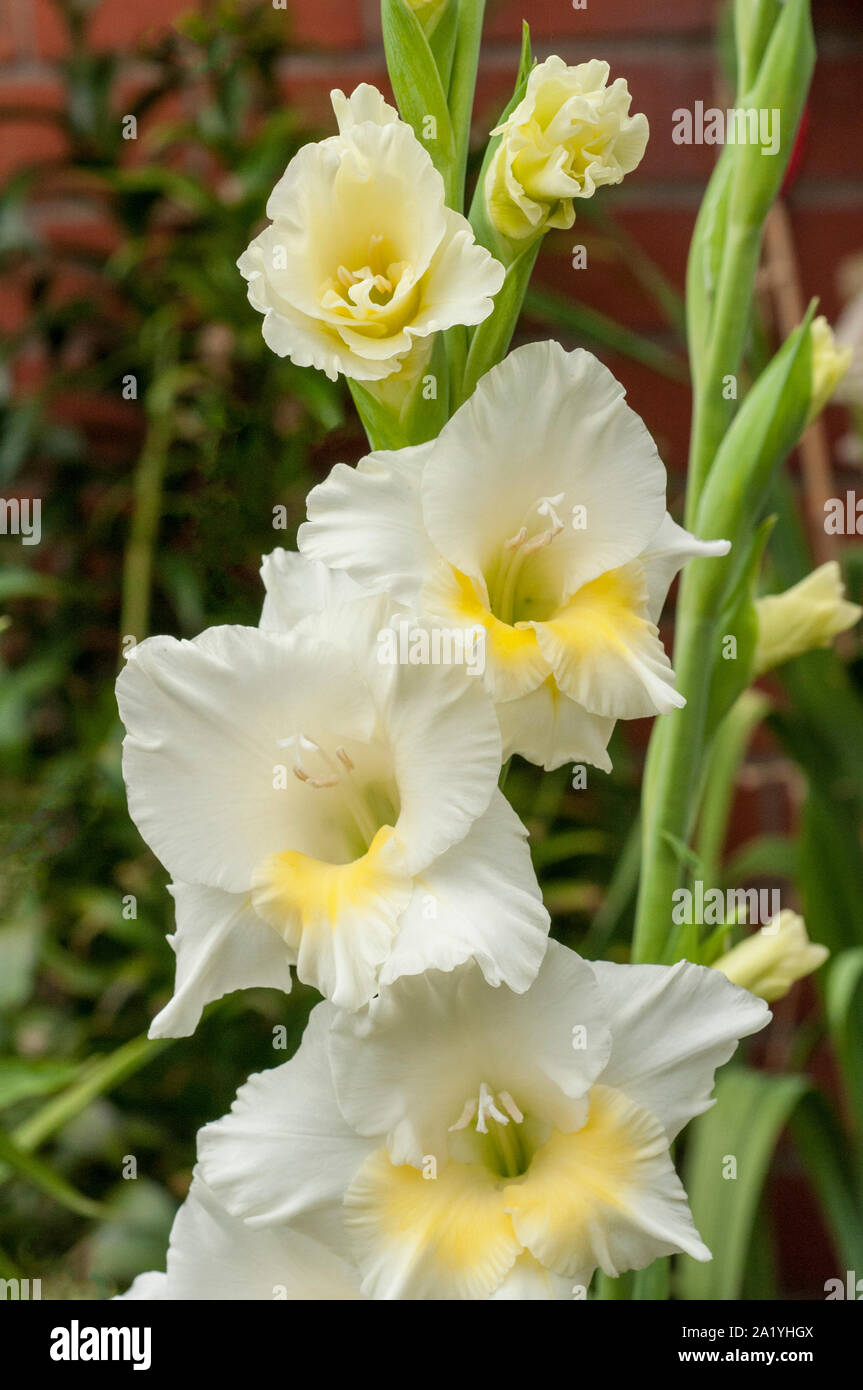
x,y
154,519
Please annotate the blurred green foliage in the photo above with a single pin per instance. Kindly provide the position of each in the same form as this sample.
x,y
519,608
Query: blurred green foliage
x,y
154,518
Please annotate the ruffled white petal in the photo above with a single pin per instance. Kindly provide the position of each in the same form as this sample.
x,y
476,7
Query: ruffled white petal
x,y
285,1153
204,720
152,1286
221,945
362,257
445,742
549,729
672,1027
368,521
529,1282
542,423
298,588
213,1255
665,554
480,900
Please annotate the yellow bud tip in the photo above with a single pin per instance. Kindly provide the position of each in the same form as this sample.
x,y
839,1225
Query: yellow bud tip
x,y
805,617
770,961
829,365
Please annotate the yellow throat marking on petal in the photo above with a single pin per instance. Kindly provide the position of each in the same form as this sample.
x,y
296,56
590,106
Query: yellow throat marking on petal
x,y
296,893
577,1182
440,1236
599,612
507,644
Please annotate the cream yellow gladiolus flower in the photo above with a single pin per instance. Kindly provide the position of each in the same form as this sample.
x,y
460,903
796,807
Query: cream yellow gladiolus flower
x,y
362,258
769,962
807,616
570,134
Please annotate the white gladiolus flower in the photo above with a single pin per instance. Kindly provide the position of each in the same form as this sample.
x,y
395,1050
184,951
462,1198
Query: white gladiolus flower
x,y
456,1141
538,514
362,257
570,134
212,1255
320,808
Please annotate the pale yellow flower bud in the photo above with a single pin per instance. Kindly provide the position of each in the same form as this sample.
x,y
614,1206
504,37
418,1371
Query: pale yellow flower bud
x,y
829,365
769,962
805,617
428,12
570,134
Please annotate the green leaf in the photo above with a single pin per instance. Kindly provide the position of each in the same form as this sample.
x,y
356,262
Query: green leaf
x,y
461,90
739,619
22,1078
830,870
492,337
726,755
764,856
21,583
750,1113
844,1006
485,233
382,425
601,331
417,86
824,1150
761,436
19,954
97,1077
652,1283
42,1175
442,39
137,1236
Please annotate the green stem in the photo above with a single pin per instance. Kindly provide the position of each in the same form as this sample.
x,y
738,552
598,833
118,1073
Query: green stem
x,y
461,92
673,767
726,755
149,477
711,411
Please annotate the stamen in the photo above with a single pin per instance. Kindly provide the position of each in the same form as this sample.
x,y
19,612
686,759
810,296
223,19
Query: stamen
x,y
466,1115
345,759
303,776
515,541
546,507
488,1108
522,546
510,1106
485,1108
